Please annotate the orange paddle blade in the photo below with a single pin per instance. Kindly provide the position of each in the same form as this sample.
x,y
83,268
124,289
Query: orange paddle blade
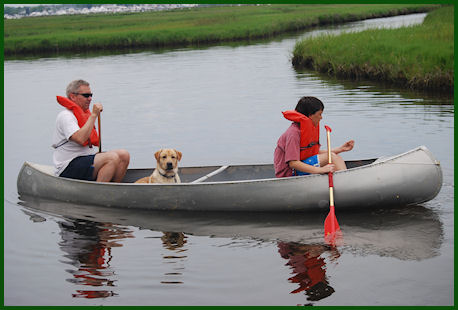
x,y
332,232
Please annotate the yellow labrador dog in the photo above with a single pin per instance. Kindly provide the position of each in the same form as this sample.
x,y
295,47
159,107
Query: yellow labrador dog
x,y
167,167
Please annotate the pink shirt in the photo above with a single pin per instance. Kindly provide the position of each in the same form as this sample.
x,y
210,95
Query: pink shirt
x,y
288,149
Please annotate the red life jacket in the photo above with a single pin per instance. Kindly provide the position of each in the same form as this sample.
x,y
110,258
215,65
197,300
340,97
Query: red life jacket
x,y
310,134
82,117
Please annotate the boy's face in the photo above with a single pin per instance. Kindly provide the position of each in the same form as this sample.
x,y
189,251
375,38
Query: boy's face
x,y
316,117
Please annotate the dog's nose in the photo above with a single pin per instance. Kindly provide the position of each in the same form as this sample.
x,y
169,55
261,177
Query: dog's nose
x,y
169,166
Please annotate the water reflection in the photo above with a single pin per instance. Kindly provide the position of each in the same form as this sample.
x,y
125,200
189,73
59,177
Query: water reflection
x,y
88,248
174,242
88,245
89,233
308,267
362,91
405,233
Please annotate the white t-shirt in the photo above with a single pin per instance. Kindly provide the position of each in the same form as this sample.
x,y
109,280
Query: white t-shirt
x,y
65,150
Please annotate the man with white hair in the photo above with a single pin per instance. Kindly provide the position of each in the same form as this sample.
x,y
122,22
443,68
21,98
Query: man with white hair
x,y
75,137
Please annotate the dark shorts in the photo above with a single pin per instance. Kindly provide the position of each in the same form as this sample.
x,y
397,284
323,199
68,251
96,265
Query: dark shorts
x,y
81,168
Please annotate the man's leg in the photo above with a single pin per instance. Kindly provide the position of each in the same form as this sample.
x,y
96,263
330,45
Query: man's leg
x,y
124,158
111,166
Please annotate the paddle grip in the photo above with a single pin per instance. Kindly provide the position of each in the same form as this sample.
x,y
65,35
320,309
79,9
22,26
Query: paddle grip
x,y
331,182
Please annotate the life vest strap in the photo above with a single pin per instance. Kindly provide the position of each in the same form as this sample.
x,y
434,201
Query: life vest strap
x,y
311,144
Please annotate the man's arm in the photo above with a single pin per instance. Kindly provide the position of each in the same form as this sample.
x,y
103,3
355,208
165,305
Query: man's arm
x,y
83,134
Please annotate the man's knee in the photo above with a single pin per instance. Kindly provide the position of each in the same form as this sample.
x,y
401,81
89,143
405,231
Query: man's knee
x,y
124,156
112,158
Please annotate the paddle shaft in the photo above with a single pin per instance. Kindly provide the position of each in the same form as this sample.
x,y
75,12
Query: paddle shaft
x,y
100,136
331,183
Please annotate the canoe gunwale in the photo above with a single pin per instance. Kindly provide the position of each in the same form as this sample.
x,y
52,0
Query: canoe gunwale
x,y
377,162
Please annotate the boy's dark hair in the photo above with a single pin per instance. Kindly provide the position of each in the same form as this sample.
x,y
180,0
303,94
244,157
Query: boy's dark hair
x,y
309,105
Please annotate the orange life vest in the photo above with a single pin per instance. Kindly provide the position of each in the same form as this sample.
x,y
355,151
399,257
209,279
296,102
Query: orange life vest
x,y
81,116
310,134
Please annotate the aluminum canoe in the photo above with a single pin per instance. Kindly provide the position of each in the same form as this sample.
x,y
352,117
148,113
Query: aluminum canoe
x,y
409,178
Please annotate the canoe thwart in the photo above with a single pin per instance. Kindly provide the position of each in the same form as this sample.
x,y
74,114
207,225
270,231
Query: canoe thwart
x,y
209,175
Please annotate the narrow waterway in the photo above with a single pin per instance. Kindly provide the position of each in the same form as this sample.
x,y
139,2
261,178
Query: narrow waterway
x,y
222,105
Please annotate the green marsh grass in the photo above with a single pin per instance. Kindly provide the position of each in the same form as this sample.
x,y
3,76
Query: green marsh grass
x,y
418,57
83,33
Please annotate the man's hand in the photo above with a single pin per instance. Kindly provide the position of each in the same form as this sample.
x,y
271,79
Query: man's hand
x,y
96,109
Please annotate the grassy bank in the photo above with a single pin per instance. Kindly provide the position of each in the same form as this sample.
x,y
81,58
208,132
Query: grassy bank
x,y
80,33
418,57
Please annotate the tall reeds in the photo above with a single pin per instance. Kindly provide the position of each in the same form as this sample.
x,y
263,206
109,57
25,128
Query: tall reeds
x,y
81,33
418,57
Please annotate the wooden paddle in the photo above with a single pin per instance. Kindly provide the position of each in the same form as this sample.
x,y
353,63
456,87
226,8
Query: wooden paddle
x,y
100,136
331,227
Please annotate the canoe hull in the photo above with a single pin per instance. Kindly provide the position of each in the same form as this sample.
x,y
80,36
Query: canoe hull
x,y
409,178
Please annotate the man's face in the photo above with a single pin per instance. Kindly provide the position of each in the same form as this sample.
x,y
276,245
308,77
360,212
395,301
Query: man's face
x,y
81,100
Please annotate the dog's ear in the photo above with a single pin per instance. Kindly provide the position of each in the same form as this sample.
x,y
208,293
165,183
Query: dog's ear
x,y
158,154
178,155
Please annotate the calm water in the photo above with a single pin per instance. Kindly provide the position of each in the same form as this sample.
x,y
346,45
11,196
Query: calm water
x,y
221,105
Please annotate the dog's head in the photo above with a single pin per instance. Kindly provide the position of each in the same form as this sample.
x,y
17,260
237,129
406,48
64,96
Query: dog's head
x,y
167,159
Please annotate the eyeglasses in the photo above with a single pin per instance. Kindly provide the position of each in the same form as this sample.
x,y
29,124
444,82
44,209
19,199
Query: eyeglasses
x,y
84,95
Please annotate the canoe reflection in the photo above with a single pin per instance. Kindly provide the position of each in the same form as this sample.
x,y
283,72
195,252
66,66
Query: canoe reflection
x,y
89,233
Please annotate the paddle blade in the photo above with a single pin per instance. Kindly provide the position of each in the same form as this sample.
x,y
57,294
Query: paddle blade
x,y
332,232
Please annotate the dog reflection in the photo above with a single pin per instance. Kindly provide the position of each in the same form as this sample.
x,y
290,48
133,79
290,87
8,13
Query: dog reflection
x,y
309,269
175,243
173,240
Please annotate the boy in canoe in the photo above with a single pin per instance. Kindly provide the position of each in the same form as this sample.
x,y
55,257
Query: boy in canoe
x,y
298,148
75,135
